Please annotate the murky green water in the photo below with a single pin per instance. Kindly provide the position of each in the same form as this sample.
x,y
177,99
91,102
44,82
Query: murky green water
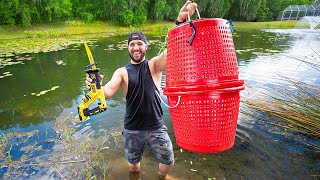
x,y
38,88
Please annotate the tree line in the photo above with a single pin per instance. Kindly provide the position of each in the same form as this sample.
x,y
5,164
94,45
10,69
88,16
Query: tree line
x,y
134,12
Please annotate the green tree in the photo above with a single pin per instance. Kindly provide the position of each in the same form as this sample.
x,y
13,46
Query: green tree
x,y
15,12
116,9
213,8
8,12
88,10
157,9
263,13
244,10
125,12
130,13
138,7
173,9
23,13
61,9
26,13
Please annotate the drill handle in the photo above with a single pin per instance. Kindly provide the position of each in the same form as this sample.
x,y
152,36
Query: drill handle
x,y
96,110
95,76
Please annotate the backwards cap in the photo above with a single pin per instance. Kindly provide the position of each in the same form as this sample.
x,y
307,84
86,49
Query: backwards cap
x,y
137,35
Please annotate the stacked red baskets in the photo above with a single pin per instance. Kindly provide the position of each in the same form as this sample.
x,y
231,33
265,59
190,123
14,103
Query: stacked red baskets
x,y
202,82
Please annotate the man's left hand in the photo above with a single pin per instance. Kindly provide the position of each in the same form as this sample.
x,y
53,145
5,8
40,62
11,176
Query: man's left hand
x,y
188,7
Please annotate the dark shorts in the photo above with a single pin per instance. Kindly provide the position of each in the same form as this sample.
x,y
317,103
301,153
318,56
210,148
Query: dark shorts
x,y
158,140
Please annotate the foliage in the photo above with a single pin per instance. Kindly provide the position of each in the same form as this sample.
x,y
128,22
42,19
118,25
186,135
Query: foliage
x,y
210,8
157,10
263,13
245,10
26,13
8,12
133,12
89,10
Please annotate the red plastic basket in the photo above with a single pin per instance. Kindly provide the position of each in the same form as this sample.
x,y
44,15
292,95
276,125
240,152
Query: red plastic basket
x,y
211,58
205,121
202,85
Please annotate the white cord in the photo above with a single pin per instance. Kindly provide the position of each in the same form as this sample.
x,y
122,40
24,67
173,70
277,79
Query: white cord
x,y
197,14
166,104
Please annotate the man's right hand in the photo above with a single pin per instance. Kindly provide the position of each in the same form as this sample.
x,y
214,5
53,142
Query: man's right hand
x,y
89,80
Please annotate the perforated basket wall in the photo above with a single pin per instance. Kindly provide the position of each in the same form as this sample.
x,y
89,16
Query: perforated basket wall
x,y
205,122
211,57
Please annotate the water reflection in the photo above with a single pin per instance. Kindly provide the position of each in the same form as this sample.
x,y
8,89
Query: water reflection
x,y
254,43
268,71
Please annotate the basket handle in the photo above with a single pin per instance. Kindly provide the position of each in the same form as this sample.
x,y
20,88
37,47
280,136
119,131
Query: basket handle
x,y
179,97
193,27
197,14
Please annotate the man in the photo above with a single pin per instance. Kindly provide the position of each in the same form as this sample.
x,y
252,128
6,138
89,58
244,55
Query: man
x,y
140,82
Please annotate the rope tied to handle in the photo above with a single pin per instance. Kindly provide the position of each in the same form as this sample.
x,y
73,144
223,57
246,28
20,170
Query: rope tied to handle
x,y
231,26
190,41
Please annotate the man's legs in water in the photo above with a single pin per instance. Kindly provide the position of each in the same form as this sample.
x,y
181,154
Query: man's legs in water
x,y
134,171
134,167
164,169
158,140
161,146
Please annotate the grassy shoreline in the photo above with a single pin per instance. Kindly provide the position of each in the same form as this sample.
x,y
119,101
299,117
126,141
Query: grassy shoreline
x,y
53,37
70,28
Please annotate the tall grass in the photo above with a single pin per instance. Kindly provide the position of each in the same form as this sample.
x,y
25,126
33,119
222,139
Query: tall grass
x,y
296,109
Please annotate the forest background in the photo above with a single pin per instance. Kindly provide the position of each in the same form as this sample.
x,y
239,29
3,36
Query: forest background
x,y
27,13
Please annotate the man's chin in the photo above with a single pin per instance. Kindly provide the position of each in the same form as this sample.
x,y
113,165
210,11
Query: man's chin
x,y
137,60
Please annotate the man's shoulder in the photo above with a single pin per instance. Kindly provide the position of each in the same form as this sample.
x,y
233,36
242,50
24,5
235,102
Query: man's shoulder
x,y
121,71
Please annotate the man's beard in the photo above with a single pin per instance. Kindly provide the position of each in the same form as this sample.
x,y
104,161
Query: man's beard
x,y
142,54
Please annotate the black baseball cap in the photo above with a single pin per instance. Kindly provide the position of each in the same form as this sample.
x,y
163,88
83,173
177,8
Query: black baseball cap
x,y
137,35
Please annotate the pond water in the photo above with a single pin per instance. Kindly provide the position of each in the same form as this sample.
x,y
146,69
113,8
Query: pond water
x,y
37,89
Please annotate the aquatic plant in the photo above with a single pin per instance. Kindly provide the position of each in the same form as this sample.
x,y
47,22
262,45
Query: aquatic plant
x,y
58,38
71,158
164,45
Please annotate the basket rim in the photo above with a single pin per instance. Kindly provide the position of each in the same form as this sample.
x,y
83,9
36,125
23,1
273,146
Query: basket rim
x,y
210,86
206,91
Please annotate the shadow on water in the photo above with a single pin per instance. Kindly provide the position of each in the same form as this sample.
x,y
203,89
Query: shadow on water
x,y
45,87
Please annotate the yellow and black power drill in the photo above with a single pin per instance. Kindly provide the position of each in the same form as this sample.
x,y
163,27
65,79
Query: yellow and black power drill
x,y
96,91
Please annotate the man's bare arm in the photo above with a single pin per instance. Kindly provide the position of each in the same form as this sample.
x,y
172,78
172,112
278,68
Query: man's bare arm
x,y
159,62
113,85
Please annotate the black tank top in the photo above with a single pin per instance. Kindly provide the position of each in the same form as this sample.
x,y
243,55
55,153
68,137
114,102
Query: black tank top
x,y
143,108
